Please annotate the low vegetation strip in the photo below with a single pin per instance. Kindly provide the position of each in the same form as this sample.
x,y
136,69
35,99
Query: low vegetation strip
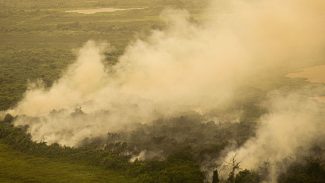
x,y
20,167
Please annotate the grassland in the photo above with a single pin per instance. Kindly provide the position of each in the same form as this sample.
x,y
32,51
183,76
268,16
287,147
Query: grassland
x,y
19,167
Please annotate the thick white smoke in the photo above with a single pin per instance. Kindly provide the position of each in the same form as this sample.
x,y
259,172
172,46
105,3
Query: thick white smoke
x,y
189,67
291,127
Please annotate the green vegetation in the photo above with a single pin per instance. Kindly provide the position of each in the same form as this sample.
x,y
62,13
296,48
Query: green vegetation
x,y
20,167
37,42
33,160
36,161
39,36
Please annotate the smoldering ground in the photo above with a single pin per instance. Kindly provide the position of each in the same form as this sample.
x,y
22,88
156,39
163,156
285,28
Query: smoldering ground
x,y
216,68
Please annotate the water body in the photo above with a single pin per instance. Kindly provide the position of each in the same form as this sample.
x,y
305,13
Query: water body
x,y
100,10
314,74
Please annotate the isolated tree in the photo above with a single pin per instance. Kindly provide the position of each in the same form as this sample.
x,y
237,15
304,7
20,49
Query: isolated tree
x,y
8,118
215,177
234,168
247,176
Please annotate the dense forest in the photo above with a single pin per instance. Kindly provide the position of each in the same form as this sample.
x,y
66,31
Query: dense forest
x,y
181,161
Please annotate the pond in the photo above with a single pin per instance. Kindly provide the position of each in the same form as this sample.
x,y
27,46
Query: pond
x,y
100,10
314,74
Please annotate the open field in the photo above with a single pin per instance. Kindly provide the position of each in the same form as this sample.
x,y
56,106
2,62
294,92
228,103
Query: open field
x,y
19,167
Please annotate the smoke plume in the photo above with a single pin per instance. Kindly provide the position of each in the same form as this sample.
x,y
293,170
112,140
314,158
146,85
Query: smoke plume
x,y
190,66
291,127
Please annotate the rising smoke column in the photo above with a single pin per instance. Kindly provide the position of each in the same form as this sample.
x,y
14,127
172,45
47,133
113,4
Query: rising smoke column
x,y
190,67
290,128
